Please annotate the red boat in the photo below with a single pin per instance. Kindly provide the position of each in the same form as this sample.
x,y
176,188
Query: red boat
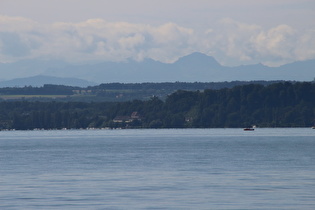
x,y
249,129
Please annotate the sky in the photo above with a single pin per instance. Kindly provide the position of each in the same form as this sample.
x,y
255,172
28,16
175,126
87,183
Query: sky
x,y
235,32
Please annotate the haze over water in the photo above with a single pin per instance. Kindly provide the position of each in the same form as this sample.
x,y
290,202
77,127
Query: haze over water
x,y
158,169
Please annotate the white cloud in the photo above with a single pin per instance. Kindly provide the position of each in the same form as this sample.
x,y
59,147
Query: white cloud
x,y
251,43
229,41
306,46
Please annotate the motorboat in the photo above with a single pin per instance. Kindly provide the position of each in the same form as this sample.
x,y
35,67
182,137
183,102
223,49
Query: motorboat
x,y
249,129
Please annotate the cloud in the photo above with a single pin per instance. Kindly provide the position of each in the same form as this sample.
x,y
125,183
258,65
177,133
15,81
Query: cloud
x,y
230,41
251,43
305,46
17,38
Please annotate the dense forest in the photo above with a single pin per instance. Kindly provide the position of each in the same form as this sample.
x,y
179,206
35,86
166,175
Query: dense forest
x,y
282,104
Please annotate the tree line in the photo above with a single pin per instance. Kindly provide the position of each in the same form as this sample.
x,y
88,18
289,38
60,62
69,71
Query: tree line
x,y
113,91
44,90
282,104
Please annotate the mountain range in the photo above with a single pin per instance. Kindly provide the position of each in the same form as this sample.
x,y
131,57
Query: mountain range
x,y
196,67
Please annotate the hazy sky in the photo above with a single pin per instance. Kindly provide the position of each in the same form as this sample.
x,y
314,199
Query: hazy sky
x,y
235,32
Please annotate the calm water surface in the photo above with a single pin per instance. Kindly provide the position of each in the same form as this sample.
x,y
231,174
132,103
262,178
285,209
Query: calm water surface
x,y
158,169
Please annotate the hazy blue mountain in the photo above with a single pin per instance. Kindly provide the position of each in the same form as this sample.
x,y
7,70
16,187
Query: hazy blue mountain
x,y
38,81
191,68
197,60
28,68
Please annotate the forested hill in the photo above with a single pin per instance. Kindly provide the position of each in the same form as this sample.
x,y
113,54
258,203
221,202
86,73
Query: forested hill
x,y
277,105
112,91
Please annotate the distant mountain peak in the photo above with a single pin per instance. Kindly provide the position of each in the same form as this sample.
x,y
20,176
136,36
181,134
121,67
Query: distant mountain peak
x,y
198,58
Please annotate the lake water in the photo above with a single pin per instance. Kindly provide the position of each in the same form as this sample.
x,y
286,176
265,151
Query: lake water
x,y
158,169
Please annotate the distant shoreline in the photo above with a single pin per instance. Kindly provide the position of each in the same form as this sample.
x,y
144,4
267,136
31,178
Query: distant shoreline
x,y
282,104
